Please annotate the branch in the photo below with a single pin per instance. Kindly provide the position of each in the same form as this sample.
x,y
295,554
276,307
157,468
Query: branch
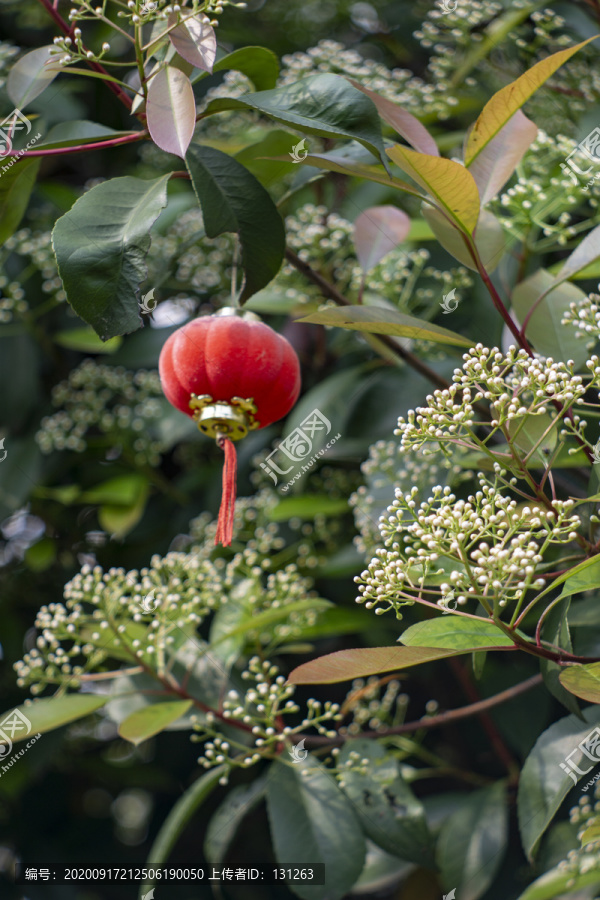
x,y
80,148
67,30
453,715
331,292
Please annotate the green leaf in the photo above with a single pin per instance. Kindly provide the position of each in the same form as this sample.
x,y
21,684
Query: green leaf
x,y
145,723
229,616
489,236
504,104
258,64
21,470
343,665
583,577
561,882
584,613
227,818
262,620
447,181
52,712
41,556
334,397
389,812
276,143
16,185
585,254
325,105
543,784
232,200
545,329
307,506
496,163
123,490
473,841
86,341
100,247
32,74
583,681
178,818
118,520
534,436
455,633
336,621
336,162
556,631
171,110
312,821
590,272
379,320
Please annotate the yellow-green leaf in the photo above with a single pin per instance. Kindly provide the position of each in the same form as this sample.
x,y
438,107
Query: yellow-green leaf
x,y
86,341
504,104
380,320
48,714
447,181
583,681
590,834
150,720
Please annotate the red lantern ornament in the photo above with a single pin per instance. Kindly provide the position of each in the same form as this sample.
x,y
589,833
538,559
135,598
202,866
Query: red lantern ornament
x,y
232,374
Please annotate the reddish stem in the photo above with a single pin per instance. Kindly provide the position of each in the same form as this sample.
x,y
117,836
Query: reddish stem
x,y
80,148
453,715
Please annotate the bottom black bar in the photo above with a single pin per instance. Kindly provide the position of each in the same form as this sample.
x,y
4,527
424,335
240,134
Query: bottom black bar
x,y
290,873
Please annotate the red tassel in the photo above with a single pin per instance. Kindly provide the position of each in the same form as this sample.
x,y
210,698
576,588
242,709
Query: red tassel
x,y
226,512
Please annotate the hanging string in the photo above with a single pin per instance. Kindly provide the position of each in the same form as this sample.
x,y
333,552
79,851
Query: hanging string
x,y
224,534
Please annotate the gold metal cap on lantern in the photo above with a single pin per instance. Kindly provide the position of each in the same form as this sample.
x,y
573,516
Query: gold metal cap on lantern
x,y
232,419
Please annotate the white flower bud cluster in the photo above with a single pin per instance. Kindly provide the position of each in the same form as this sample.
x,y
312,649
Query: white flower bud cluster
x,y
7,54
141,615
584,859
399,85
109,400
104,612
513,383
261,708
374,705
388,468
37,258
200,265
484,547
585,318
546,194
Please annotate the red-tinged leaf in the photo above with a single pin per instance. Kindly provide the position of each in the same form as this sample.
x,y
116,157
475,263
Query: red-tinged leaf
x,y
347,664
402,121
171,110
499,159
377,231
195,40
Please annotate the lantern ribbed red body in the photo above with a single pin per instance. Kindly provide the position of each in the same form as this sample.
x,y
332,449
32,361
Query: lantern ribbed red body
x,y
232,375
